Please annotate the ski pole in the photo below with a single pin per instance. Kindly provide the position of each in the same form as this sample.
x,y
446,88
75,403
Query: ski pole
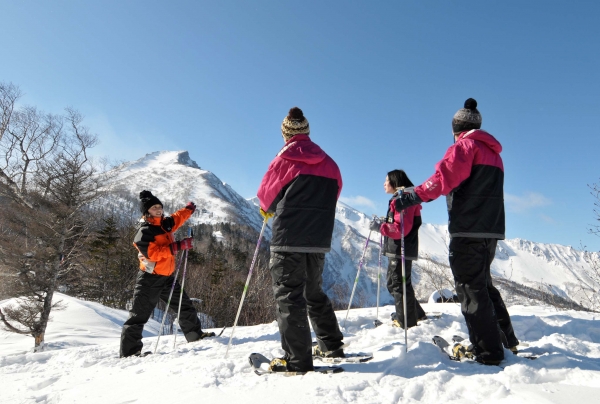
x,y
360,264
237,316
377,322
182,284
403,280
162,323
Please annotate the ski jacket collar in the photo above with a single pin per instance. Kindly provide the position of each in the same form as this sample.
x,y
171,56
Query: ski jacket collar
x,y
165,222
301,148
154,221
482,136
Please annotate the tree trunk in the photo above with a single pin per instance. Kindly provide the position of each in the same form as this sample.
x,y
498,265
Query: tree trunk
x,y
39,342
45,314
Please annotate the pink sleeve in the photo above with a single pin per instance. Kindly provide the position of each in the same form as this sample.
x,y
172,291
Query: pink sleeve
x,y
392,230
453,169
277,176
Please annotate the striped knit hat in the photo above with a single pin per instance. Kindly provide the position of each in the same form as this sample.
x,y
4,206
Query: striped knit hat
x,y
467,118
294,123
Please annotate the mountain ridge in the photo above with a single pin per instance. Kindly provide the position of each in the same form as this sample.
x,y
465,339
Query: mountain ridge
x,y
175,178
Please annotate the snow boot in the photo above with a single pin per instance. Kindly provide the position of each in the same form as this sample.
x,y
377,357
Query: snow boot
x,y
336,353
278,365
195,336
460,351
139,354
398,324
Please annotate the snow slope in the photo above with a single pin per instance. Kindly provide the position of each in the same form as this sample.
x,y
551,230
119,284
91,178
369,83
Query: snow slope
x,y
81,363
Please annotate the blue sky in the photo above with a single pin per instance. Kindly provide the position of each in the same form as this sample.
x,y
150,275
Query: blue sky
x,y
379,82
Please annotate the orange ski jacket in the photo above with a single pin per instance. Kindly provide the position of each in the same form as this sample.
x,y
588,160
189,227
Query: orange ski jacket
x,y
153,242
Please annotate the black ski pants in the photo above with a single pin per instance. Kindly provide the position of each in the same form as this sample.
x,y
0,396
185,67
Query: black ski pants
x,y
414,311
482,306
148,289
298,289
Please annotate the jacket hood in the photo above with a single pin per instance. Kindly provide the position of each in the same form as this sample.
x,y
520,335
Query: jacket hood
x,y
301,148
484,137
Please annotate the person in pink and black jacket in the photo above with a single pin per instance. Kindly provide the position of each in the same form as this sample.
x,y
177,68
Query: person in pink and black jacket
x,y
471,175
391,229
300,190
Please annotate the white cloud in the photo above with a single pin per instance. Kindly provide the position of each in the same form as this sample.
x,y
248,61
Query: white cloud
x,y
547,219
356,201
528,201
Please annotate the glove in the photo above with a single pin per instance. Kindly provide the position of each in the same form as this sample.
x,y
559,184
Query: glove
x,y
405,198
185,244
191,206
266,215
375,224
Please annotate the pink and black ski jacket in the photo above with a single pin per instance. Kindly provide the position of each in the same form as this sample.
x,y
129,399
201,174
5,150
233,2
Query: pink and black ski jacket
x,y
301,187
471,175
391,230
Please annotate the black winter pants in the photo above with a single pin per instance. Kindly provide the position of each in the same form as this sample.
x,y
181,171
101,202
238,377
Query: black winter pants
x,y
414,311
481,303
298,286
148,289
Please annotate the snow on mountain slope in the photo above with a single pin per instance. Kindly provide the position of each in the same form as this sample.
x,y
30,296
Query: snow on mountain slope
x,y
554,268
81,363
175,178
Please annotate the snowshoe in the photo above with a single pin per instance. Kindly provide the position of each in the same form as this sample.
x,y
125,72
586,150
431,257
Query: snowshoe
x,y
279,366
339,356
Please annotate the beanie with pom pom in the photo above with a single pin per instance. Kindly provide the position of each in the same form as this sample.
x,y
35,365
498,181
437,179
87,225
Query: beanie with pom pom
x,y
147,200
466,118
294,123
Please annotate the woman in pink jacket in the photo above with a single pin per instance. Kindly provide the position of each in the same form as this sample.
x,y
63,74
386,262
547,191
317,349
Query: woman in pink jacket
x,y
395,180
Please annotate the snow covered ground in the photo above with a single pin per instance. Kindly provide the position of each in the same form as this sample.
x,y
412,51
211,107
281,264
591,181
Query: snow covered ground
x,y
81,364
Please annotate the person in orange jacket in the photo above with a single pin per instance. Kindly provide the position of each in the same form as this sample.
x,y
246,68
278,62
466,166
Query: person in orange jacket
x,y
157,250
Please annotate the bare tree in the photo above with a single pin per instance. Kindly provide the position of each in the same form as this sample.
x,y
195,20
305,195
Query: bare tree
x,y
30,138
49,225
589,285
595,191
9,95
590,291
435,276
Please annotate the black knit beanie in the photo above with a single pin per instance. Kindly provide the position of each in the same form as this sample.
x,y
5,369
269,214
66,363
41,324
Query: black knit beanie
x,y
294,123
147,200
466,118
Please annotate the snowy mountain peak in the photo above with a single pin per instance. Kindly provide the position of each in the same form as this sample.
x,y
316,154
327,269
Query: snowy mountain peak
x,y
165,158
176,179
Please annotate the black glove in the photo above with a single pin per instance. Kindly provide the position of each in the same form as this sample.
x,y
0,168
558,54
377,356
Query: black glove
x,y
405,198
375,224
